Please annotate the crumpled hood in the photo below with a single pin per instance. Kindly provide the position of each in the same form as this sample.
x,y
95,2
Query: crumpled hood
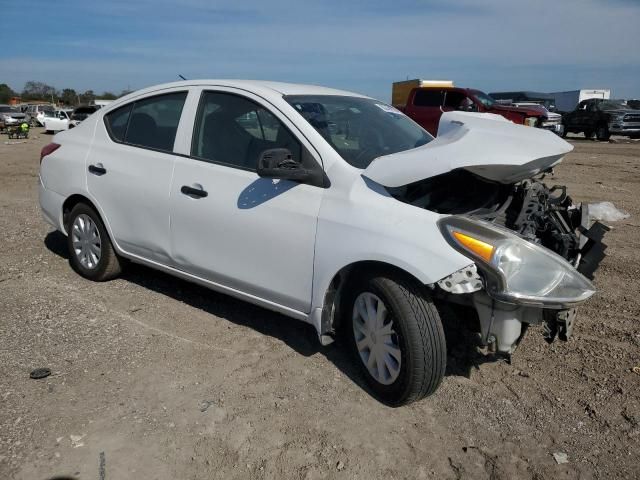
x,y
485,144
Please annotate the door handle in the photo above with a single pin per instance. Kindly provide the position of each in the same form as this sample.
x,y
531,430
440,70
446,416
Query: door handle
x,y
193,192
97,169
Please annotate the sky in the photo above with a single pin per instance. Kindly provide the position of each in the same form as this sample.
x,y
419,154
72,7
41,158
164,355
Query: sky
x,y
358,45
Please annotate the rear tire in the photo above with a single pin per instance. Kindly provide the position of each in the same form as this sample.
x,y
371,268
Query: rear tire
x,y
91,253
403,344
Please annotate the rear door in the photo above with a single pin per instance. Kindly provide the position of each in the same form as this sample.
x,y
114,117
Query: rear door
x,y
129,171
230,226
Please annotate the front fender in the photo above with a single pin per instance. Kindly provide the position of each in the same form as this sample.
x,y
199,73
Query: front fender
x,y
373,226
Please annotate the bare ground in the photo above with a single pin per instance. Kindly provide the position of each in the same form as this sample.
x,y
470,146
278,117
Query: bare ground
x,y
156,378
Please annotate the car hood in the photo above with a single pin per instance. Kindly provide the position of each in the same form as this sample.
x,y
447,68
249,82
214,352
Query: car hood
x,y
485,144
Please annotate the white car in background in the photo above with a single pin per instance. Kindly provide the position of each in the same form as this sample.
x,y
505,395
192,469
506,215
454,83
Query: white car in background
x,y
37,112
57,120
332,208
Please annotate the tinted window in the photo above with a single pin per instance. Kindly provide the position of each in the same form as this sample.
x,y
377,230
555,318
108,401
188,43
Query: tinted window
x,y
116,122
454,99
154,121
428,98
234,130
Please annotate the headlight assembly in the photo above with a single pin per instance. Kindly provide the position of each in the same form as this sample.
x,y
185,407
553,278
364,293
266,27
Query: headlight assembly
x,y
516,271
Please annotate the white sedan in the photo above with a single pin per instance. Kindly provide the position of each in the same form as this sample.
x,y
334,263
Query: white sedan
x,y
332,208
57,120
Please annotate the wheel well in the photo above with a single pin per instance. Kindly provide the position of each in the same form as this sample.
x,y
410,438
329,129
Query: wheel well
x,y
71,202
331,310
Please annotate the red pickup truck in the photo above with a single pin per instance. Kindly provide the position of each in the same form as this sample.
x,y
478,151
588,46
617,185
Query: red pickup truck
x,y
425,105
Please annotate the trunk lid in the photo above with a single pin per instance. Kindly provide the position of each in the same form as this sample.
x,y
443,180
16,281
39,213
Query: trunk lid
x,y
487,145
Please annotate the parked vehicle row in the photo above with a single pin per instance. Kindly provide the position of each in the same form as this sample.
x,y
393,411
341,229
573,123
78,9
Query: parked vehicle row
x,y
425,104
332,208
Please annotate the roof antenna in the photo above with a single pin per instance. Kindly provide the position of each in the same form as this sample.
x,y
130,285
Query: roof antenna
x,y
181,77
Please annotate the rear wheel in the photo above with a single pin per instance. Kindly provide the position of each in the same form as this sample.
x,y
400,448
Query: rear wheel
x,y
602,133
91,253
397,338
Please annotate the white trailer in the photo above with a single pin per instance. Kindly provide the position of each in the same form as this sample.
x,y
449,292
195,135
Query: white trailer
x,y
567,101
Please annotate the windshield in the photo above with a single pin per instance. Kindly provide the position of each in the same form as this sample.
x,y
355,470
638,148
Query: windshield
x,y
9,109
359,129
613,105
483,98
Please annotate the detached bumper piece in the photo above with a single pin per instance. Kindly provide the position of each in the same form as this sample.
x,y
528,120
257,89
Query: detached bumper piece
x,y
592,249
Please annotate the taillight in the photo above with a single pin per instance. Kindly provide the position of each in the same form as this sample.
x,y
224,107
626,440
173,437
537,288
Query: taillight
x,y
48,150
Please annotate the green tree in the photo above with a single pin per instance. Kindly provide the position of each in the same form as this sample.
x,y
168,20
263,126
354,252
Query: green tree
x,y
69,96
107,96
38,91
6,93
87,97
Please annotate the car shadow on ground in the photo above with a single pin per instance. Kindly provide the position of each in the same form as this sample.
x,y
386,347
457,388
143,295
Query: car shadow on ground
x,y
463,355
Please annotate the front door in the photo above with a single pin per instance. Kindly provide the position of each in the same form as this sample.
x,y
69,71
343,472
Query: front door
x,y
228,225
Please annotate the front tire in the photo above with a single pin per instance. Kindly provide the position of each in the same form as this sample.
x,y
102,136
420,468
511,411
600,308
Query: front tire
x,y
91,253
602,133
588,134
397,338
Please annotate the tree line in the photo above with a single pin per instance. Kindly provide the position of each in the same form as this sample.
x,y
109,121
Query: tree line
x,y
41,91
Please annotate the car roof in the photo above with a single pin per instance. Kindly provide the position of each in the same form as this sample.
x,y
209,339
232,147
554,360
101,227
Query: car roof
x,y
281,88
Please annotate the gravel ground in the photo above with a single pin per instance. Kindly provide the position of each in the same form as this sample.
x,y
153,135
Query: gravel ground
x,y
156,378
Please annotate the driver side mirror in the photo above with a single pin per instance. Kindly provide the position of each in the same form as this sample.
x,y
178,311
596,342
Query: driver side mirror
x,y
279,163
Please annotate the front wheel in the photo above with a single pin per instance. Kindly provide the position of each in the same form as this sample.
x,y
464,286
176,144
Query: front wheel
x,y
588,134
397,338
602,133
90,251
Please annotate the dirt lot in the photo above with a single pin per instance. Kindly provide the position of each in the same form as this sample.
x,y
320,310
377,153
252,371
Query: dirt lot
x,y
156,378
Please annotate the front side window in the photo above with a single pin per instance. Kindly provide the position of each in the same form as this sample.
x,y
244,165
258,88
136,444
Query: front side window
x,y
455,100
151,122
359,129
234,130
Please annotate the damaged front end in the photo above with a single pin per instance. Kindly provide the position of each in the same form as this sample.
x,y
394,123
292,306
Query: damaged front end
x,y
533,249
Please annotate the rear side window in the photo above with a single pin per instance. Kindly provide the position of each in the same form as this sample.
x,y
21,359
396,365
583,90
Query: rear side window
x,y
428,98
150,123
117,122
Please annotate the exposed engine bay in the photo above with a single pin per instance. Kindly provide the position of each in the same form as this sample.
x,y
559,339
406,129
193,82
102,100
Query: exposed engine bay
x,y
540,214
